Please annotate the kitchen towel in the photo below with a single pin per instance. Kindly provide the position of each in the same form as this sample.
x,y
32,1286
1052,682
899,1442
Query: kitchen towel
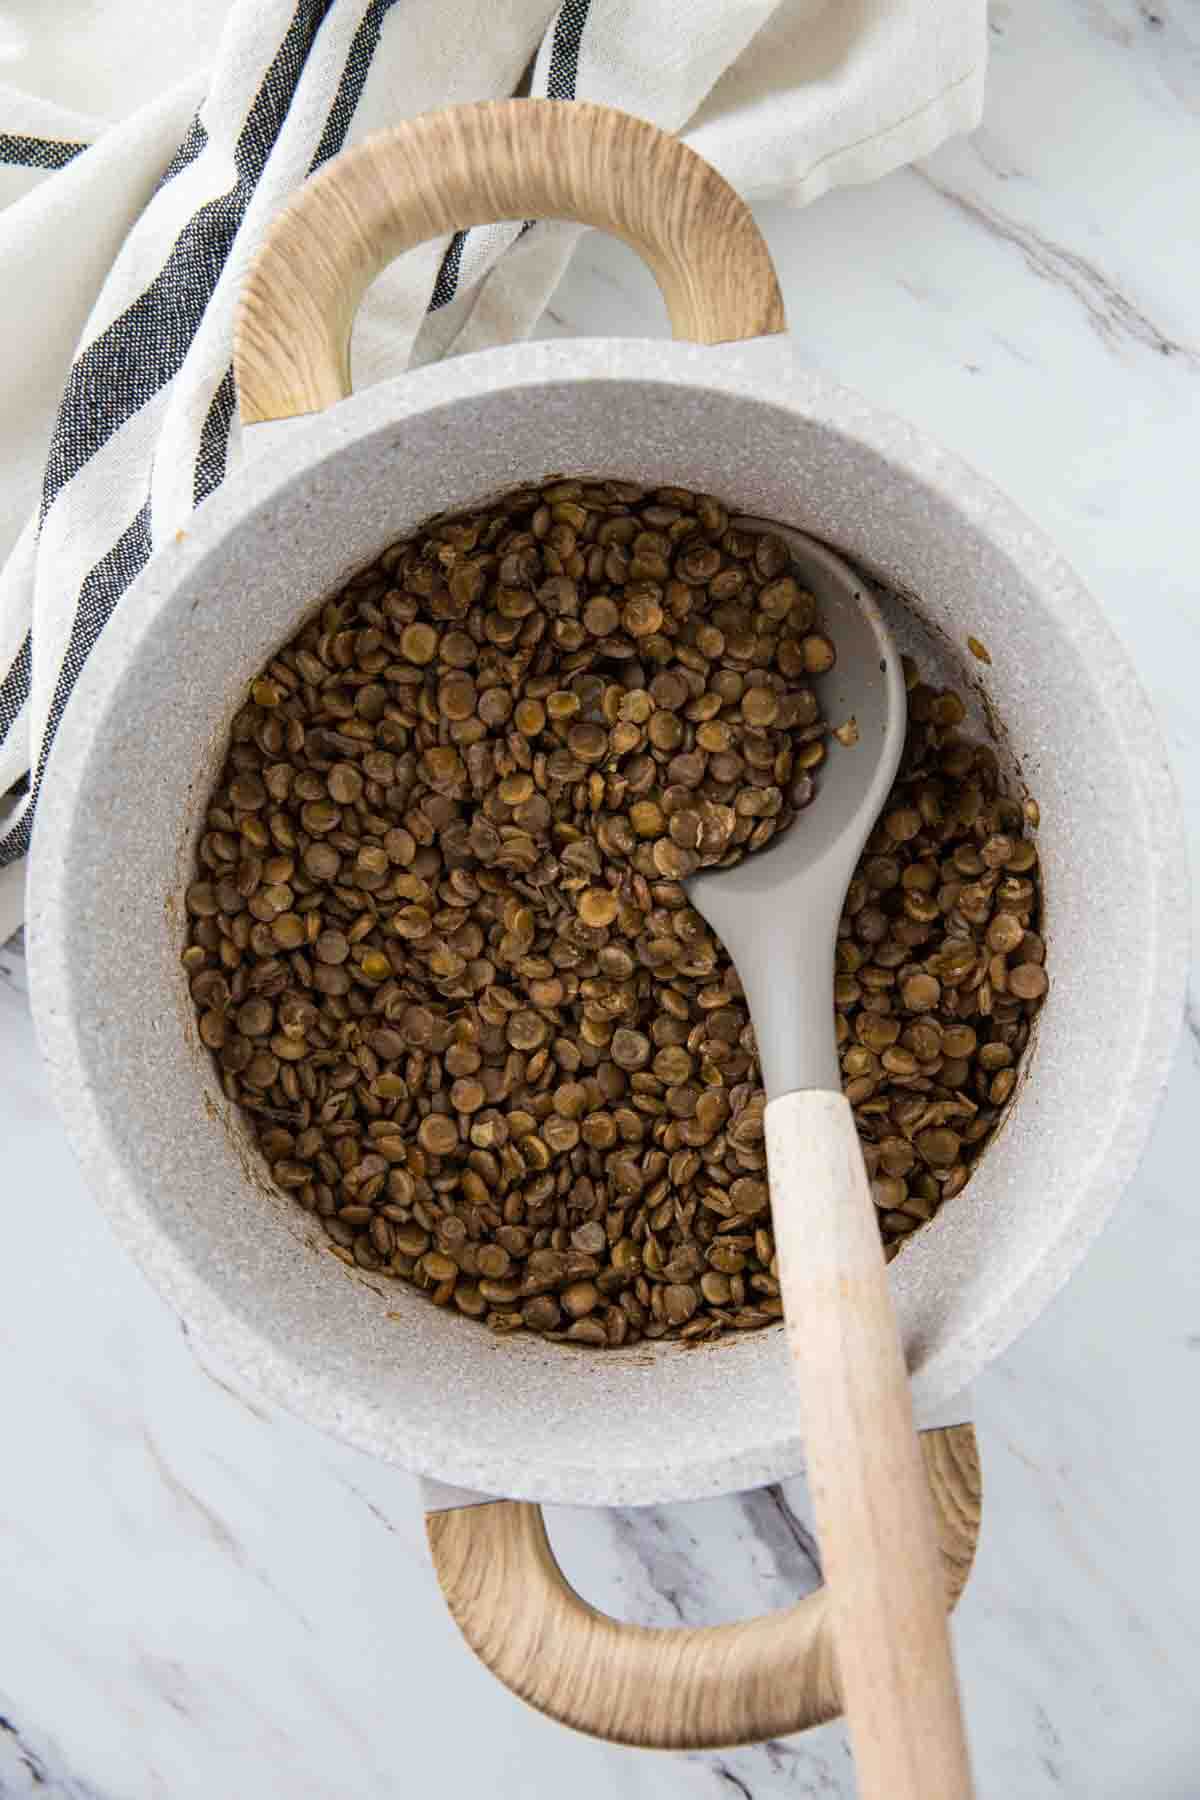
x,y
144,149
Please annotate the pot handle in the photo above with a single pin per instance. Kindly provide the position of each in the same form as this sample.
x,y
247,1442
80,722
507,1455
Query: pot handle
x,y
475,165
664,1688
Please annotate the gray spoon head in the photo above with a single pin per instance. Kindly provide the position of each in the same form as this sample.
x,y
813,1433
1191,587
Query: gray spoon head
x,y
777,912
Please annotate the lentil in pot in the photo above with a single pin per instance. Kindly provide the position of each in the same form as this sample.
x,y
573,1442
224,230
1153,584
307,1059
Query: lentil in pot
x,y
440,950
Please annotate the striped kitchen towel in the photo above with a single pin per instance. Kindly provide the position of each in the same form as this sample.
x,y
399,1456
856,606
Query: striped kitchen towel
x,y
143,150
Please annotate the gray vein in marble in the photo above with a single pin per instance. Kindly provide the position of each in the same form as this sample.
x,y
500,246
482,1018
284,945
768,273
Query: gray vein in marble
x,y
1016,351
376,1512
1076,1525
169,1679
782,1757
256,1411
664,1564
922,293
217,1530
665,1553
28,1758
1191,1023
725,1774
13,970
994,156
1105,24
1111,313
792,1545
797,1530
1176,54
1158,31
188,1502
1050,1744
25,1769
809,1770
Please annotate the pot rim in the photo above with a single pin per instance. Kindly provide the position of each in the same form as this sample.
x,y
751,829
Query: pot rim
x,y
763,371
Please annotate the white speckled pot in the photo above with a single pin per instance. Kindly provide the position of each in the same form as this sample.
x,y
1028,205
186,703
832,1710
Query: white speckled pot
x,y
135,756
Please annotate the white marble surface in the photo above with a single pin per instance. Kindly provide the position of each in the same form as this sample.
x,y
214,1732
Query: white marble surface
x,y
200,1598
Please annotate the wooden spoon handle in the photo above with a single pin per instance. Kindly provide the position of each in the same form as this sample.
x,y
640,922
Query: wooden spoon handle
x,y
870,1496
472,165
670,1688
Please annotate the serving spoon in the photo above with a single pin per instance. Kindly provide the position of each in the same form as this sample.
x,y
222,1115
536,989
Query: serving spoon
x,y
777,915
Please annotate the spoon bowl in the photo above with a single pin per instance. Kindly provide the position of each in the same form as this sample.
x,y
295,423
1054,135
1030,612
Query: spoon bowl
x,y
777,912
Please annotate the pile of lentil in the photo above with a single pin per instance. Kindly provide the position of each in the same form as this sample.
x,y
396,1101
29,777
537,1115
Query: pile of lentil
x,y
440,950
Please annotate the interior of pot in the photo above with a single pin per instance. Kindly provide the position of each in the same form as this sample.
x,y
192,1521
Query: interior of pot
x,y
370,1358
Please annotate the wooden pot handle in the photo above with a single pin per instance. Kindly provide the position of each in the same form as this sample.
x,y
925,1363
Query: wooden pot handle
x,y
475,165
672,1688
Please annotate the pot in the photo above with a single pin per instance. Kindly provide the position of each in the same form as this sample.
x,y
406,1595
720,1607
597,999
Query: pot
x,y
732,413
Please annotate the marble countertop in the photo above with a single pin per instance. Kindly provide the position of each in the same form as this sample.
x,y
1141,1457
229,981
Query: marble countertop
x,y
201,1598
